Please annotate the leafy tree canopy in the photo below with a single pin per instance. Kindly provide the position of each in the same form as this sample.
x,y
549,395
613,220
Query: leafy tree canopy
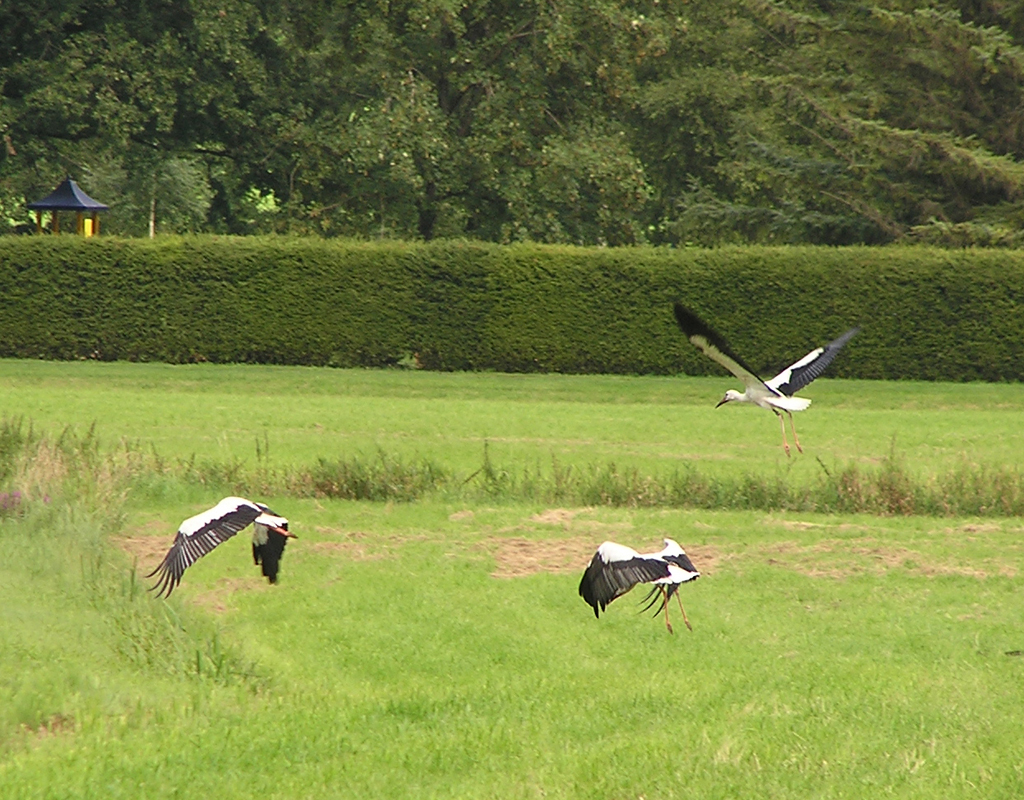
x,y
609,122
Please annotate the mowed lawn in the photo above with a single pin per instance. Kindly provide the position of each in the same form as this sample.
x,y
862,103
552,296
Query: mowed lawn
x,y
436,649
300,414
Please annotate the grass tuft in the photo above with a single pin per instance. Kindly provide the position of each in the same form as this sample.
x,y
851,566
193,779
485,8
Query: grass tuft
x,y
13,439
381,478
891,489
74,465
69,598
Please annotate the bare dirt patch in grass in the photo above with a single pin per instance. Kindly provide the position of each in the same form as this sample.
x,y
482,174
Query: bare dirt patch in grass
x,y
605,530
559,516
353,551
835,558
516,557
567,519
54,726
806,525
360,545
146,551
707,558
982,527
799,525
218,599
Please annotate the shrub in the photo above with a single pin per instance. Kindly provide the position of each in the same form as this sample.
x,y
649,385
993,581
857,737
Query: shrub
x,y
926,313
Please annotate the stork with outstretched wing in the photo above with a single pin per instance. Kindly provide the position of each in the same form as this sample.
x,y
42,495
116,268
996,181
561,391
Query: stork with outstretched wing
x,y
615,569
200,534
775,394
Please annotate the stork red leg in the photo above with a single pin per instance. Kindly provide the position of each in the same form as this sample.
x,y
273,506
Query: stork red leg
x,y
688,625
782,421
793,425
665,597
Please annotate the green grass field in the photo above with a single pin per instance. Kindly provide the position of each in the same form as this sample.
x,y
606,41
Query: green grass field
x,y
303,413
439,648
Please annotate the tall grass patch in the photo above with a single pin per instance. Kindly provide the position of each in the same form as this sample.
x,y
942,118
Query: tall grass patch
x,y
890,488
883,448
82,638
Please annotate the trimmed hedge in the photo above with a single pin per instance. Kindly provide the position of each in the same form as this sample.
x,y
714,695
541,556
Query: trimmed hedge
x,y
926,313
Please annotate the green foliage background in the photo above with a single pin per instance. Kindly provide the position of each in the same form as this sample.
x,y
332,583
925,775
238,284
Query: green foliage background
x,y
926,313
599,123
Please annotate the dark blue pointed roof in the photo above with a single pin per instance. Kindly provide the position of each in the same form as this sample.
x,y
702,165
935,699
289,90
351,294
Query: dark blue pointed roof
x,y
67,197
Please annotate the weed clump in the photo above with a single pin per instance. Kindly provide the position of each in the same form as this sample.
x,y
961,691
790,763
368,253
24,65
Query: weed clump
x,y
380,478
888,490
73,465
59,500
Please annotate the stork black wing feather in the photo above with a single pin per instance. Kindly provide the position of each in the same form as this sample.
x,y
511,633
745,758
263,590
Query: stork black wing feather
x,y
653,596
802,374
604,581
681,560
196,537
699,332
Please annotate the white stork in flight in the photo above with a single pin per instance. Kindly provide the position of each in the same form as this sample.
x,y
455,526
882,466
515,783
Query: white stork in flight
x,y
775,394
198,535
615,569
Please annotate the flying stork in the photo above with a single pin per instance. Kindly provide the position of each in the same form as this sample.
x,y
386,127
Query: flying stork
x,y
615,569
198,535
776,394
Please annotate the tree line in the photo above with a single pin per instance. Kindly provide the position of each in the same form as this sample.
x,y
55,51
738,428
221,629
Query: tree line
x,y
671,122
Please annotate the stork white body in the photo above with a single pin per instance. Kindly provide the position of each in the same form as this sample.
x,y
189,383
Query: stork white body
x,y
774,395
615,569
200,534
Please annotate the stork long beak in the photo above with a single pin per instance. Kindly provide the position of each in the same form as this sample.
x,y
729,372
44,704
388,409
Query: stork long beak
x,y
283,532
722,402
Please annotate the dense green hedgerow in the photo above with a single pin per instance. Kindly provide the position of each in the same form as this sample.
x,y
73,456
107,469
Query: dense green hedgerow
x,y
926,313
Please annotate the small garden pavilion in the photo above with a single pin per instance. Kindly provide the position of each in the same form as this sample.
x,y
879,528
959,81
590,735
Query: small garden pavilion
x,y
70,197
